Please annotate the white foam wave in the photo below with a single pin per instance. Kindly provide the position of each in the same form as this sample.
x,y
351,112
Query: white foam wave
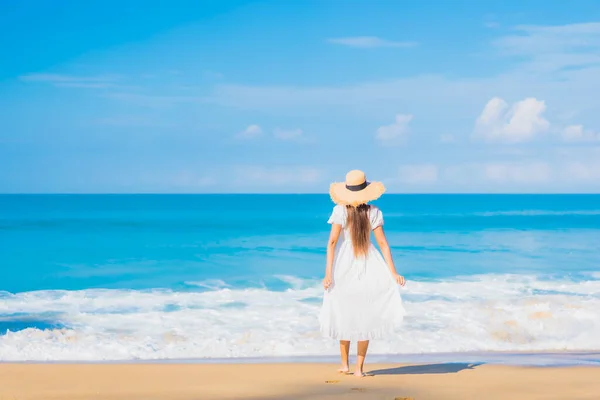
x,y
211,284
479,313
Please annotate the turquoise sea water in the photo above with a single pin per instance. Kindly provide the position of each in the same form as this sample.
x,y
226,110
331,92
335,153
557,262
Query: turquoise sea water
x,y
109,277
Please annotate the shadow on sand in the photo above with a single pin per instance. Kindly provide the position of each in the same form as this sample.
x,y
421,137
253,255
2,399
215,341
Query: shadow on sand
x,y
447,368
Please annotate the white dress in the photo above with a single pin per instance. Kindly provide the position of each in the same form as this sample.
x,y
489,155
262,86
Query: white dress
x,y
364,302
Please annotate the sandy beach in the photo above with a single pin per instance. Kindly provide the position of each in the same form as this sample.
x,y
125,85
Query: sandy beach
x,y
294,381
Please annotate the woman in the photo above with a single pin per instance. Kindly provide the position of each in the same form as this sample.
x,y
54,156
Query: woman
x,y
361,300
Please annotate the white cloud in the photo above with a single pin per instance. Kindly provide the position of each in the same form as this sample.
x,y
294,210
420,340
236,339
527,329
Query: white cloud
x,y
497,175
191,180
367,42
153,101
418,174
519,123
552,48
84,85
500,176
251,132
577,133
581,171
395,133
577,172
538,52
53,78
72,81
520,173
288,134
128,121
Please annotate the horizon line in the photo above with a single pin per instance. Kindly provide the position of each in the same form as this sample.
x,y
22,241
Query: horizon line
x,y
287,193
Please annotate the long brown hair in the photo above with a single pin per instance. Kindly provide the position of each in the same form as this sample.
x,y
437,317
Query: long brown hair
x,y
360,228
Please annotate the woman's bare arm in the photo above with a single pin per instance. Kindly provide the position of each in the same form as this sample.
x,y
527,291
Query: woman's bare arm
x,y
334,235
387,254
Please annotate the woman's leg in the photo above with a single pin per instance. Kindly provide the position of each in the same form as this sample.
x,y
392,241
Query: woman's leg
x,y
360,360
344,350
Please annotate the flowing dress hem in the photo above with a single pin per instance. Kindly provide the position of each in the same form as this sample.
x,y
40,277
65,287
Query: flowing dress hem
x,y
384,331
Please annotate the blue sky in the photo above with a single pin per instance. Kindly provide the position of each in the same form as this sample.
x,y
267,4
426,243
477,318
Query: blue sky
x,y
274,96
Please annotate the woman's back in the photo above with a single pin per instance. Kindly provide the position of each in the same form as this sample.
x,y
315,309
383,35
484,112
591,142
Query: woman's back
x,y
339,216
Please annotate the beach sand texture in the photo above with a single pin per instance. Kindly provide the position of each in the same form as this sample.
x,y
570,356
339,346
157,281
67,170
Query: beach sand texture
x,y
294,381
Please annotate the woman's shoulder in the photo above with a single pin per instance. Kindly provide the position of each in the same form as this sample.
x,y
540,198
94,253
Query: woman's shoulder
x,y
338,215
339,209
376,216
374,209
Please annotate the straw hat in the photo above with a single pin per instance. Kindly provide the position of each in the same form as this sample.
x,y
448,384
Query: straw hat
x,y
356,190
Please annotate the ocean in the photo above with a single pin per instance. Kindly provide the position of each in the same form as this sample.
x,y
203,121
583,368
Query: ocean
x,y
172,277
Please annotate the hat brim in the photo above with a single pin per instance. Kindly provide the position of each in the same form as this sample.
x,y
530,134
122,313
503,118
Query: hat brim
x,y
340,195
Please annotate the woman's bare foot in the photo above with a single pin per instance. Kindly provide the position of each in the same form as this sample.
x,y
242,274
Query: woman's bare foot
x,y
359,374
344,370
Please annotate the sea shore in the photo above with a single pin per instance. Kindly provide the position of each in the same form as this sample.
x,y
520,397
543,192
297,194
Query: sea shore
x,y
194,381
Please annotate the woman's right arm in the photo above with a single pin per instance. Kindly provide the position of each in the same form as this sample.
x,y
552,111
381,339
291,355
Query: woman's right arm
x,y
387,254
334,235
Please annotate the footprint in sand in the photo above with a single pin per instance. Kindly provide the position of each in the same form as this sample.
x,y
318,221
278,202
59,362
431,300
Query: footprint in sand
x,y
332,381
403,398
358,389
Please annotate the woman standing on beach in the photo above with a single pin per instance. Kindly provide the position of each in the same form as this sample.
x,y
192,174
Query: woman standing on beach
x,y
362,300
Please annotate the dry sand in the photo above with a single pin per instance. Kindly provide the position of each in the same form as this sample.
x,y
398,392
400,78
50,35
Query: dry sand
x,y
293,381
